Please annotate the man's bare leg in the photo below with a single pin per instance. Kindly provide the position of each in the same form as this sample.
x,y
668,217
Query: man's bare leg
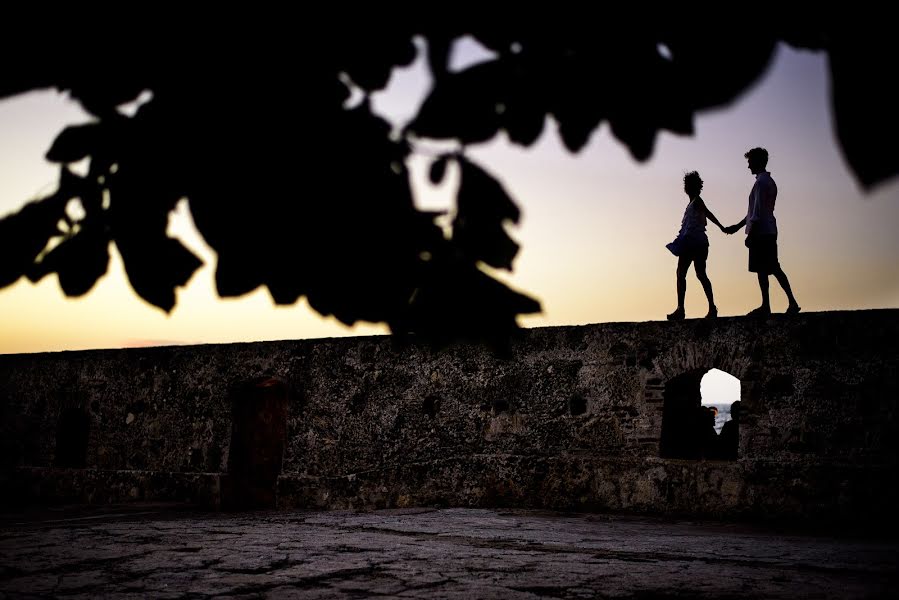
x,y
785,284
765,308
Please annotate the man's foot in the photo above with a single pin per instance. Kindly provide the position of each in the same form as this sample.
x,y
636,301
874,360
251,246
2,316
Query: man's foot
x,y
713,312
793,309
761,311
677,315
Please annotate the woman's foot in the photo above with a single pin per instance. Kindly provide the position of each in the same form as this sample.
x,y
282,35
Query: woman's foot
x,y
713,312
677,315
793,309
761,311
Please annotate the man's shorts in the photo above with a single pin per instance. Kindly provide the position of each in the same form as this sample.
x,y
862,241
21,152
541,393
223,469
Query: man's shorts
x,y
763,253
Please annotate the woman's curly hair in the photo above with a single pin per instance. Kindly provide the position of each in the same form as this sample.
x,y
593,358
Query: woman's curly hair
x,y
692,181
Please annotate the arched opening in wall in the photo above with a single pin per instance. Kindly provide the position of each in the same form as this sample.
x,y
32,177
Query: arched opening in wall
x,y
720,390
688,419
258,436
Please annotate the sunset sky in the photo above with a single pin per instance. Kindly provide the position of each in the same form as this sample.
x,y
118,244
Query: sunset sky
x,y
593,233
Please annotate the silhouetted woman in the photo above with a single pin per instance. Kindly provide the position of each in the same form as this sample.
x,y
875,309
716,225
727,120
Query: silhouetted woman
x,y
692,246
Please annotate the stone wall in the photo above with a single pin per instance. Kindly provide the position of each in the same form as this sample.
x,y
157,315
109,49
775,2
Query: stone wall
x,y
571,419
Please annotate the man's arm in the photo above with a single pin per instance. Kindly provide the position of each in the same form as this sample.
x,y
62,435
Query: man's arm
x,y
735,228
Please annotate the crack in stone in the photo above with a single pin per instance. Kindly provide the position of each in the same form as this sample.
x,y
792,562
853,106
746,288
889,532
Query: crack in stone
x,y
309,582
548,591
272,566
741,562
100,564
643,557
7,572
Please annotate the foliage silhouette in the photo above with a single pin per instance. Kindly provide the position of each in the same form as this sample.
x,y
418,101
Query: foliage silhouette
x,y
226,118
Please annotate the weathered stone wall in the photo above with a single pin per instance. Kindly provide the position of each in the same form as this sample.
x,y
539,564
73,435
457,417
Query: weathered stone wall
x,y
571,419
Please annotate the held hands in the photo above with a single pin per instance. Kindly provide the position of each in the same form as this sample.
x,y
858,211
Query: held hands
x,y
731,230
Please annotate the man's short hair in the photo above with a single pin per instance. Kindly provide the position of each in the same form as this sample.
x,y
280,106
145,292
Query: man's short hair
x,y
758,156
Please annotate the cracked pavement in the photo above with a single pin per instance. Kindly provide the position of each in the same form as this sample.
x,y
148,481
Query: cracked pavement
x,y
169,552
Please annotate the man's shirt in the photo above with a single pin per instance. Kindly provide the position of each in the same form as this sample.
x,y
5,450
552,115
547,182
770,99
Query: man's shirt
x,y
760,216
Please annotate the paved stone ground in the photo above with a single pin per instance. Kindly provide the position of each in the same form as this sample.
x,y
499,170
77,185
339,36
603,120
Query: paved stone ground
x,y
159,552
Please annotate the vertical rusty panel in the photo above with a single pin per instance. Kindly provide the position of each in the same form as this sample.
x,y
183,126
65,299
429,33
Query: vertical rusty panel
x,y
258,434
71,438
73,428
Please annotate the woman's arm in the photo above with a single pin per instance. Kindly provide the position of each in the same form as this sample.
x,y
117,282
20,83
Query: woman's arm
x,y
708,213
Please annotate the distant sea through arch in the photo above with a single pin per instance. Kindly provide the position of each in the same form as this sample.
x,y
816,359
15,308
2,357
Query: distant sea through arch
x,y
719,389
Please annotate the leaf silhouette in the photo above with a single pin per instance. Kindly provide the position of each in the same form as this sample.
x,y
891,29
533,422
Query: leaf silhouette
x,y
156,266
79,261
458,301
714,71
74,143
237,275
483,205
371,56
464,105
25,234
862,94
438,169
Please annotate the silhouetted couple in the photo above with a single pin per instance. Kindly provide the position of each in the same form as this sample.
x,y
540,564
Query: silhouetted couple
x,y
692,245
692,434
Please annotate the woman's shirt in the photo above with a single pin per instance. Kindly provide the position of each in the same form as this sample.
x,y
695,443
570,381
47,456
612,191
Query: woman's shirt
x,y
693,225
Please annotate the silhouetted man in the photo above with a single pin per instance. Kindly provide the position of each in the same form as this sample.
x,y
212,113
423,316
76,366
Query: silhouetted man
x,y
729,439
761,232
706,435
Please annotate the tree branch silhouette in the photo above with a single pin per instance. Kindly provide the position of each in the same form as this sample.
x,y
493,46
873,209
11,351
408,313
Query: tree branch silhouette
x,y
346,234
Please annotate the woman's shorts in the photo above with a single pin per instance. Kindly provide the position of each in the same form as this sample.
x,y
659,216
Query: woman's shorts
x,y
695,252
763,253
